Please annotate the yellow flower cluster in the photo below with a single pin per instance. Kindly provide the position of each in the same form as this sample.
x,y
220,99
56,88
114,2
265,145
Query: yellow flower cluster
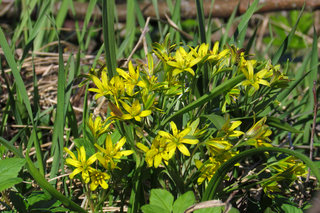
x,y
108,157
145,94
165,145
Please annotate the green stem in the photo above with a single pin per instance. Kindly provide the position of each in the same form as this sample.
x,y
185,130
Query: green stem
x,y
44,184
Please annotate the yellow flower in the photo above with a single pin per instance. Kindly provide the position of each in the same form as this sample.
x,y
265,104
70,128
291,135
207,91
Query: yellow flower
x,y
158,152
290,165
131,78
207,169
110,156
183,62
218,145
177,139
103,85
117,87
98,178
228,128
81,164
258,134
134,111
214,54
229,97
97,127
254,79
200,51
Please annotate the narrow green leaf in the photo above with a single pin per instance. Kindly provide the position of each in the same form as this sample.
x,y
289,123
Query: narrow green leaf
x,y
211,190
16,74
176,19
200,15
50,189
225,86
108,35
243,25
282,49
10,146
89,11
229,24
276,122
61,16
57,137
314,64
130,26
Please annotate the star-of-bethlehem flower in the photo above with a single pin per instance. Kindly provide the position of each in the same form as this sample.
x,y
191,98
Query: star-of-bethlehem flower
x,y
97,127
81,163
131,78
254,79
183,62
103,88
177,139
159,151
134,111
258,134
110,156
98,178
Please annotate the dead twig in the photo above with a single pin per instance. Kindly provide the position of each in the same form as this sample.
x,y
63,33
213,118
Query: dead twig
x,y
315,107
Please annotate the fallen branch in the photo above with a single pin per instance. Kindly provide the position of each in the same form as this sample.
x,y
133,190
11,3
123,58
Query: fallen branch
x,y
221,8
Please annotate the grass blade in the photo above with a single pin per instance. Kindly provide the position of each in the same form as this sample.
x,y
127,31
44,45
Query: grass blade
x,y
207,97
200,15
282,49
314,64
57,137
219,175
108,35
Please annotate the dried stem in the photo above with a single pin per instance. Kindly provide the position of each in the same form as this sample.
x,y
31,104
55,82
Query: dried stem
x,y
315,107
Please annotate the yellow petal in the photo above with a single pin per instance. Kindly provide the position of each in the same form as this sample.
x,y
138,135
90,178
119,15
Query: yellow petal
x,y
70,153
104,184
83,156
126,152
189,141
184,132
75,172
120,143
157,160
183,149
73,162
145,113
142,147
174,128
93,186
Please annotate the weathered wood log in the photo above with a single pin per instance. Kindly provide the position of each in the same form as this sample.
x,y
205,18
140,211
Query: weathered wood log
x,y
221,8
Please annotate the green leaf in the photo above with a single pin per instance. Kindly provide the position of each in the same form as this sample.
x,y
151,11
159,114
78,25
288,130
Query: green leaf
x,y
149,208
268,210
7,183
183,202
211,190
108,35
9,169
282,49
161,198
217,209
287,208
276,122
225,86
216,120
